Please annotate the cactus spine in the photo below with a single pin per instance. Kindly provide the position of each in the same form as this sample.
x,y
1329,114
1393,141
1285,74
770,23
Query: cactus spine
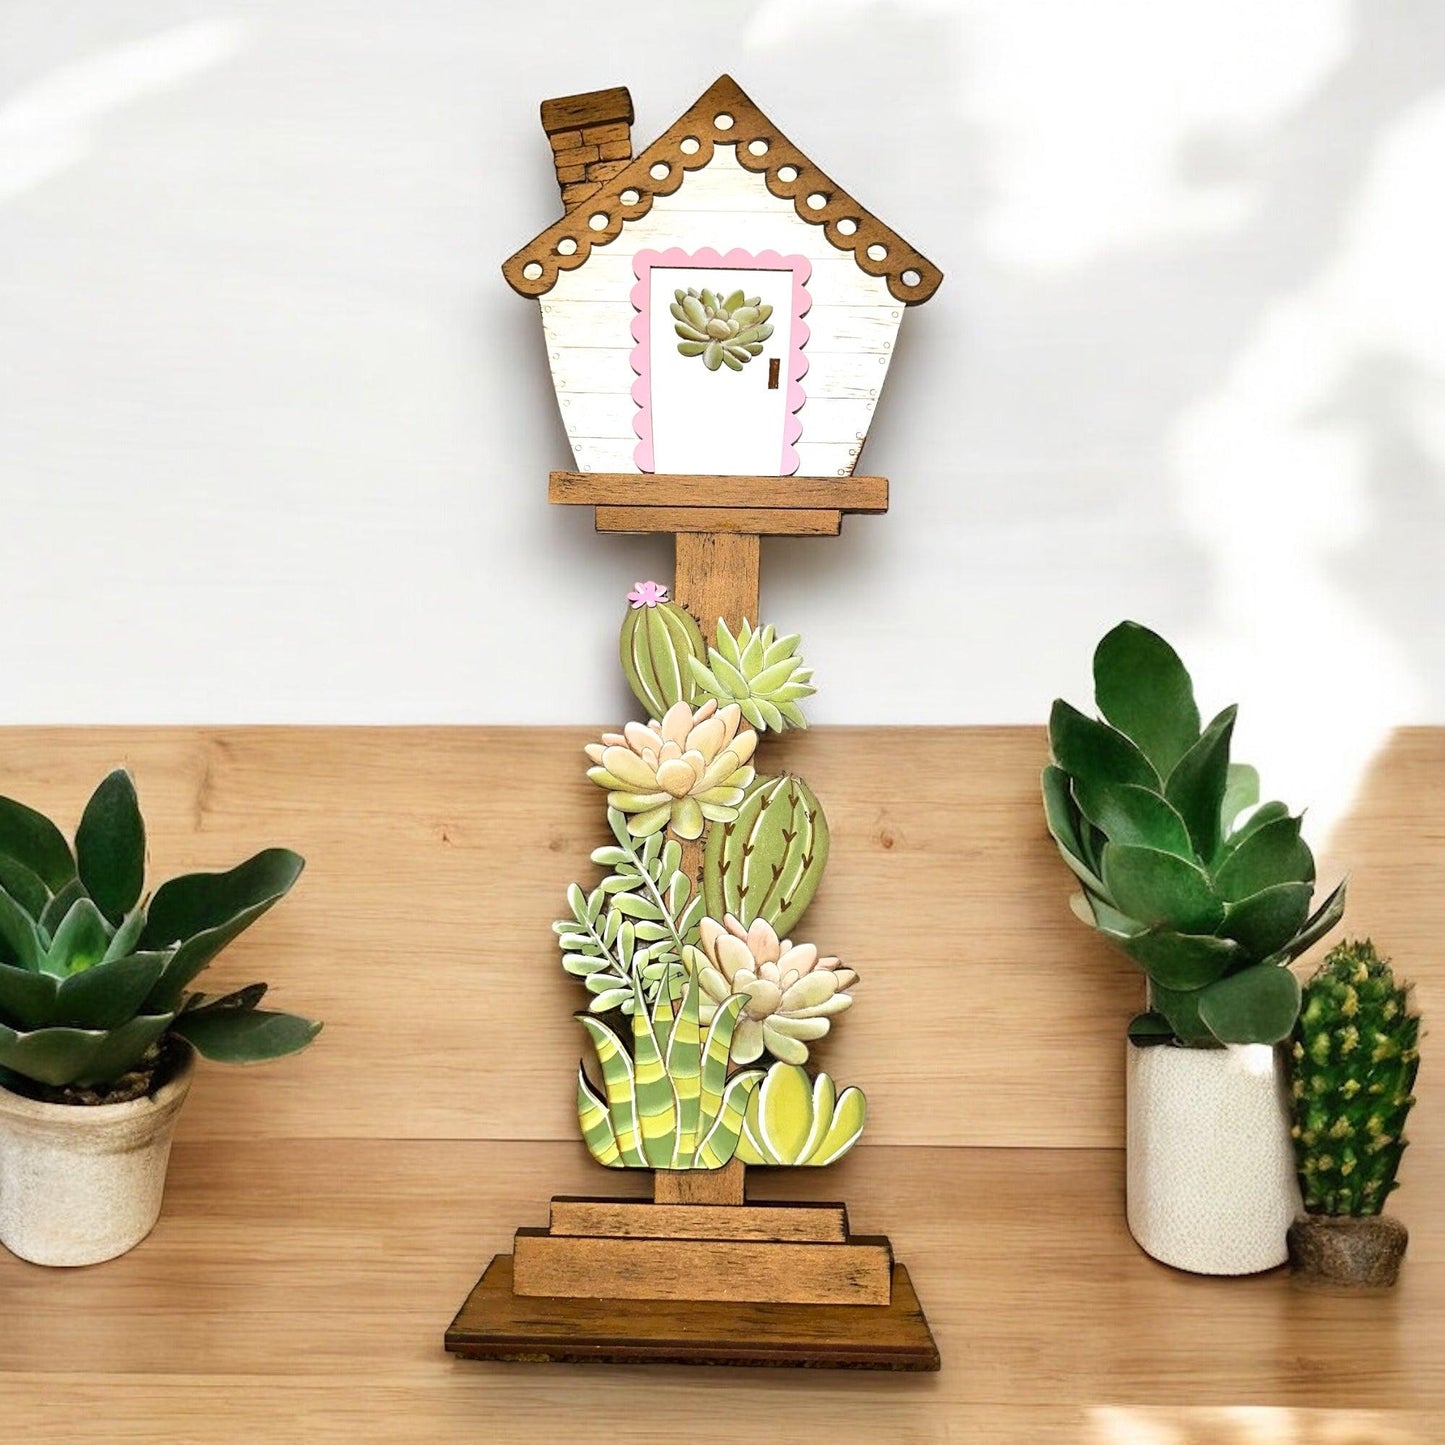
x,y
657,641
1356,1053
769,861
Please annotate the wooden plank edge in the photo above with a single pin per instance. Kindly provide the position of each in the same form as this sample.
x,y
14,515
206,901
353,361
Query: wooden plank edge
x,y
753,521
651,489
631,1335
636,1219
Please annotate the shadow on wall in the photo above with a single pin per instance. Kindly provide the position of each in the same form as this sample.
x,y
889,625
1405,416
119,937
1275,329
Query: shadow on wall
x,y
1192,344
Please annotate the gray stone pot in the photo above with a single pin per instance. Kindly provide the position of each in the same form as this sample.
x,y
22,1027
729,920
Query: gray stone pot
x,y
81,1184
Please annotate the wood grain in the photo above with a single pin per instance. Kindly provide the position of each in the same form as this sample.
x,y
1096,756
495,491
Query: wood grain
x,y
857,1272
760,521
502,1321
727,1185
798,1223
651,489
717,576
439,856
298,1289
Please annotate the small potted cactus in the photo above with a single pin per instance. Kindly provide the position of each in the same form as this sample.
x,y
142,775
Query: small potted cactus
x,y
1355,1056
99,1025
1210,893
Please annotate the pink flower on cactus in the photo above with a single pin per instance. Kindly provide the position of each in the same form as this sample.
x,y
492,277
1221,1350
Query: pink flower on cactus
x,y
647,594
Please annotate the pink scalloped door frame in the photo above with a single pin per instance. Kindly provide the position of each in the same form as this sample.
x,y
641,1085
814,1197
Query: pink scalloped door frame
x,y
735,260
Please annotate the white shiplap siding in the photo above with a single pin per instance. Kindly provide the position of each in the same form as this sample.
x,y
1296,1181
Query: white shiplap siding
x,y
587,320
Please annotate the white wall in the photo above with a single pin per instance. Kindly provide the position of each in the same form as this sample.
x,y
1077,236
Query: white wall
x,y
274,434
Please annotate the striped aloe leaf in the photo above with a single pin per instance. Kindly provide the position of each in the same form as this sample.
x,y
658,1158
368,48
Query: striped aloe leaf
x,y
684,1068
720,1142
596,1125
656,1098
620,1085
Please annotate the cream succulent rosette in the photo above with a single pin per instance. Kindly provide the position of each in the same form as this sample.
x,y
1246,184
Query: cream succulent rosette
x,y
792,992
689,769
723,330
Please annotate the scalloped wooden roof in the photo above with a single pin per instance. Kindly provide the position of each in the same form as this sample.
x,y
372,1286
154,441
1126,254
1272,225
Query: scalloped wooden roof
x,y
688,146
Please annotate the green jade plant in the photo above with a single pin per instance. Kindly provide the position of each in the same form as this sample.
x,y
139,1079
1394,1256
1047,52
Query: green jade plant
x,y
1206,889
701,1015
95,976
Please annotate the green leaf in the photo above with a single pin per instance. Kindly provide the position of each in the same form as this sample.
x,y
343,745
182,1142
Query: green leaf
x,y
110,846
1324,918
1149,1028
1183,961
247,997
1254,1006
1127,813
1265,813
80,942
1060,812
1241,791
1181,1009
1085,748
60,1056
1089,908
27,1000
1160,889
245,1035
1266,921
18,938
1274,853
32,839
1196,784
209,910
106,996
60,905
25,887
1143,688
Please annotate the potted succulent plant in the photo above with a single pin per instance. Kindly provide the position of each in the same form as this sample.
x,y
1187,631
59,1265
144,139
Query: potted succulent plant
x,y
1355,1056
1210,893
99,1024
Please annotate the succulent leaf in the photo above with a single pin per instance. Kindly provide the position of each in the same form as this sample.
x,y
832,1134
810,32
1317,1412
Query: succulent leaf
x,y
764,678
20,941
1144,690
1264,923
110,846
1241,791
1257,1005
1183,961
1274,853
34,841
1127,813
62,1056
1197,782
105,996
1159,889
80,942
1096,752
791,1120
245,1035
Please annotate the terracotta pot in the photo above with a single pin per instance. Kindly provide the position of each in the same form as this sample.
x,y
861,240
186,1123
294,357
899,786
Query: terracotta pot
x,y
1211,1174
1342,1249
80,1184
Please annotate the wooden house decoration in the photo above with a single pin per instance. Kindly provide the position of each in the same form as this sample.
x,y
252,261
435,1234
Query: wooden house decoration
x,y
721,201
719,320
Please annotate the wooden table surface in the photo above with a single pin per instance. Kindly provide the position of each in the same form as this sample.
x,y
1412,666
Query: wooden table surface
x,y
298,1290
327,1215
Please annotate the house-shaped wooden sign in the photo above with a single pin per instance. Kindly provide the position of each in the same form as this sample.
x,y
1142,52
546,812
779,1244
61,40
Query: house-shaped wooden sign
x,y
719,321
715,305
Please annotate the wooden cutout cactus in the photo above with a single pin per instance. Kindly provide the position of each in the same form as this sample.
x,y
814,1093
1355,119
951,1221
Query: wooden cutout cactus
x,y
692,984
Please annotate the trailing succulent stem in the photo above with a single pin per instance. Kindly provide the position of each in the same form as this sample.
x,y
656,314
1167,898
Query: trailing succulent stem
x,y
1355,1056
93,975
1206,889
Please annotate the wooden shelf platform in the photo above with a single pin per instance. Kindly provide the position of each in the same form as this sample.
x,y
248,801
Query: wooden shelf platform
x,y
495,1324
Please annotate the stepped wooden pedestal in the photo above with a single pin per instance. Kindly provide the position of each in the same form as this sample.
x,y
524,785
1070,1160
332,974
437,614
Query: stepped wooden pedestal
x,y
698,1276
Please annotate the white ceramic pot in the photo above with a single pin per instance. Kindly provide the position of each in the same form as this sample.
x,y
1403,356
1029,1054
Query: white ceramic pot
x,y
80,1184
1211,1185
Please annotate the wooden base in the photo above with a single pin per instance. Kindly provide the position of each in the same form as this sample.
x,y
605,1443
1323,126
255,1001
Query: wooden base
x,y
496,1324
